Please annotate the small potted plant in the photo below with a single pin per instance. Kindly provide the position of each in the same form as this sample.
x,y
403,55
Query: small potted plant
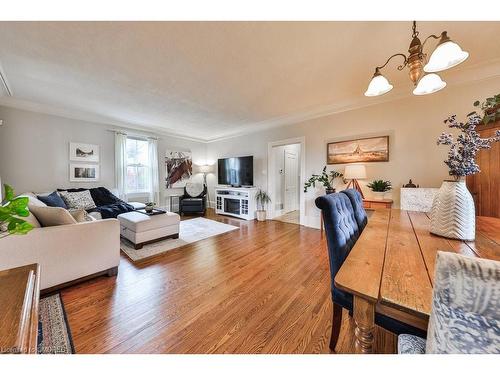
x,y
262,200
149,207
11,212
379,188
325,178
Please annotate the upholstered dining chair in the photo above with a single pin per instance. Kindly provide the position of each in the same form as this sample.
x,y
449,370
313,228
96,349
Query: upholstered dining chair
x,y
342,232
357,205
465,315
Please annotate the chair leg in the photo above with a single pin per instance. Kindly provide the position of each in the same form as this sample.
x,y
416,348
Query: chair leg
x,y
336,324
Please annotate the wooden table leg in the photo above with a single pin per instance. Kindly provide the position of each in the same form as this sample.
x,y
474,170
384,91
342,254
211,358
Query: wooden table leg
x,y
364,317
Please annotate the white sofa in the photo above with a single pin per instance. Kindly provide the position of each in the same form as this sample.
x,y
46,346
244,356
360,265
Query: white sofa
x,y
67,252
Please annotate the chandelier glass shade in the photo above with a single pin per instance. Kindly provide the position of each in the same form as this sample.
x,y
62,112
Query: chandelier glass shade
x,y
428,84
446,55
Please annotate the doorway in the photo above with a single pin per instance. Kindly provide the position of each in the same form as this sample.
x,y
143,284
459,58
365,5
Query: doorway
x,y
285,171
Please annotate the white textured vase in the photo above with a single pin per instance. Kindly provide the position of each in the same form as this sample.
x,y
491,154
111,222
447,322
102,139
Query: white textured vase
x,y
452,213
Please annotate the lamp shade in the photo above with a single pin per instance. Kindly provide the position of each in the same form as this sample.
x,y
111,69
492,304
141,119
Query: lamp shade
x,y
445,56
203,168
355,172
429,84
379,85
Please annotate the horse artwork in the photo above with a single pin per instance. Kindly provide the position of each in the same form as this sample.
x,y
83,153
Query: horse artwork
x,y
179,168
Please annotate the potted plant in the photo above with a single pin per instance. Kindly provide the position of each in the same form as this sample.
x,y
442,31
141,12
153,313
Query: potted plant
x,y
11,212
490,108
452,212
149,207
262,200
379,188
325,178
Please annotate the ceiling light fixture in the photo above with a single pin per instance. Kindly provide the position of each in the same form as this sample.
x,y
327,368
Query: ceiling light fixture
x,y
446,55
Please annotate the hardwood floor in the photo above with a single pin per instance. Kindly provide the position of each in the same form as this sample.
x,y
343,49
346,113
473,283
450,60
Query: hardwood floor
x,y
262,289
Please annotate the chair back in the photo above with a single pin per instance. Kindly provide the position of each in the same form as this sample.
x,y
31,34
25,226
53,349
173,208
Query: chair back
x,y
357,205
465,315
341,228
195,190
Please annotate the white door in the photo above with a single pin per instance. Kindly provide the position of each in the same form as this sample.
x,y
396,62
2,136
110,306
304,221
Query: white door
x,y
291,180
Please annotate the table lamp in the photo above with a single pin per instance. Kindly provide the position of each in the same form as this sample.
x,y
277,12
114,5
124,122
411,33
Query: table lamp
x,y
355,172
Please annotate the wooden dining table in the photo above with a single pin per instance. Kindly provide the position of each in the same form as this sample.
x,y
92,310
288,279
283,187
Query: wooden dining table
x,y
390,269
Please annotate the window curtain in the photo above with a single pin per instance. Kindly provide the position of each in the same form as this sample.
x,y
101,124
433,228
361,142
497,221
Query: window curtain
x,y
121,165
154,184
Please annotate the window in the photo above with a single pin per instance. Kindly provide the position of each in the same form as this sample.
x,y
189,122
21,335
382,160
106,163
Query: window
x,y
138,166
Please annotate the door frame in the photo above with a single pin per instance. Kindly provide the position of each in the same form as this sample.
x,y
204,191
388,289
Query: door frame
x,y
271,173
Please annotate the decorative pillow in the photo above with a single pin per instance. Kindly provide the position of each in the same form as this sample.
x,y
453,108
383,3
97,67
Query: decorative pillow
x,y
52,216
78,200
80,216
194,190
52,200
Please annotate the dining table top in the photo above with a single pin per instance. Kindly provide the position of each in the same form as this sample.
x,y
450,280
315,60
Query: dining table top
x,y
392,264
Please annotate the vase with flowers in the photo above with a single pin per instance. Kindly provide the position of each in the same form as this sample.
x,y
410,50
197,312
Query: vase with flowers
x,y
452,212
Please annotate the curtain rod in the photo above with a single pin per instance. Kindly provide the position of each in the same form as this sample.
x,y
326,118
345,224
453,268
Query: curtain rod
x,y
133,134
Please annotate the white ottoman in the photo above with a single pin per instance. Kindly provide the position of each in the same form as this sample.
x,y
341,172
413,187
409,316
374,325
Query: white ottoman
x,y
141,229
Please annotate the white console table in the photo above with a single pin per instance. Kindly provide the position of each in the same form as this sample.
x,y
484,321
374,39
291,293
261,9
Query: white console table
x,y
237,202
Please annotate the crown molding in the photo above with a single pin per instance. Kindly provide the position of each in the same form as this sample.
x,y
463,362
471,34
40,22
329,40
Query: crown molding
x,y
89,117
474,73
455,77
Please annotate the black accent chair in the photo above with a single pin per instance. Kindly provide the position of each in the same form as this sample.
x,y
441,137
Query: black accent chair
x,y
357,205
192,205
342,232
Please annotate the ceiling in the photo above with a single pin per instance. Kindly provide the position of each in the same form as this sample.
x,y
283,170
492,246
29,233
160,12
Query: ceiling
x,y
210,80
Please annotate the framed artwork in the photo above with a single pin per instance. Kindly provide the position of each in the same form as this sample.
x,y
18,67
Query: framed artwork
x,y
358,150
83,152
83,172
179,168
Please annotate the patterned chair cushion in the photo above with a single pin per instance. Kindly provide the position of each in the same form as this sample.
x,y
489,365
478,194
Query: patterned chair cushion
x,y
465,316
409,344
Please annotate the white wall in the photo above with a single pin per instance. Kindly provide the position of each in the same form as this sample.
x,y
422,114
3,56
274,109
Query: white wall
x,y
412,123
34,151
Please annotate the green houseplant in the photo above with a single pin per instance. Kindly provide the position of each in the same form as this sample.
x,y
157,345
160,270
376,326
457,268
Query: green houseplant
x,y
262,199
11,212
379,187
325,178
490,107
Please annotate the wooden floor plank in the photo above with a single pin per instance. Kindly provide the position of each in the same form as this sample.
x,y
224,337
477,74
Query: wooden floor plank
x,y
264,288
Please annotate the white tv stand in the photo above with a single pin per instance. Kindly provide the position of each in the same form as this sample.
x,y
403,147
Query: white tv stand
x,y
237,202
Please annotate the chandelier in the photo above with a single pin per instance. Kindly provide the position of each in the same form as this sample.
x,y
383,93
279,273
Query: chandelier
x,y
446,55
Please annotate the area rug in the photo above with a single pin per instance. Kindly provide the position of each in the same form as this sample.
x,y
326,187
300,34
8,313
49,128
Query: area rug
x,y
54,335
192,230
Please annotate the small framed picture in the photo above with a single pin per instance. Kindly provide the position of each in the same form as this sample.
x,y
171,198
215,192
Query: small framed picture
x,y
83,172
84,152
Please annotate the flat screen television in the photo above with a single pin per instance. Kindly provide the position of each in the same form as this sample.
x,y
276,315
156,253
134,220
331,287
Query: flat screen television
x,y
236,171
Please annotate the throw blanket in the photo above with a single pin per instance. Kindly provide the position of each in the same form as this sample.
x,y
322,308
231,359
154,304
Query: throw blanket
x,y
108,205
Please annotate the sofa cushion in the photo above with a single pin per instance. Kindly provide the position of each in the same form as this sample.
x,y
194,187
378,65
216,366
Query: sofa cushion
x,y
78,200
52,200
52,216
80,216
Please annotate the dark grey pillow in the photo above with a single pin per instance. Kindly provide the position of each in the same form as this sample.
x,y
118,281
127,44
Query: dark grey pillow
x,y
52,200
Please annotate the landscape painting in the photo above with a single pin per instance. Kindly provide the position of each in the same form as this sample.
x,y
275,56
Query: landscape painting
x,y
179,168
358,150
83,152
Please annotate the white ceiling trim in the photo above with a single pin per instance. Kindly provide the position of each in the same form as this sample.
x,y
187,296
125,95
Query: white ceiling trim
x,y
479,72
476,73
